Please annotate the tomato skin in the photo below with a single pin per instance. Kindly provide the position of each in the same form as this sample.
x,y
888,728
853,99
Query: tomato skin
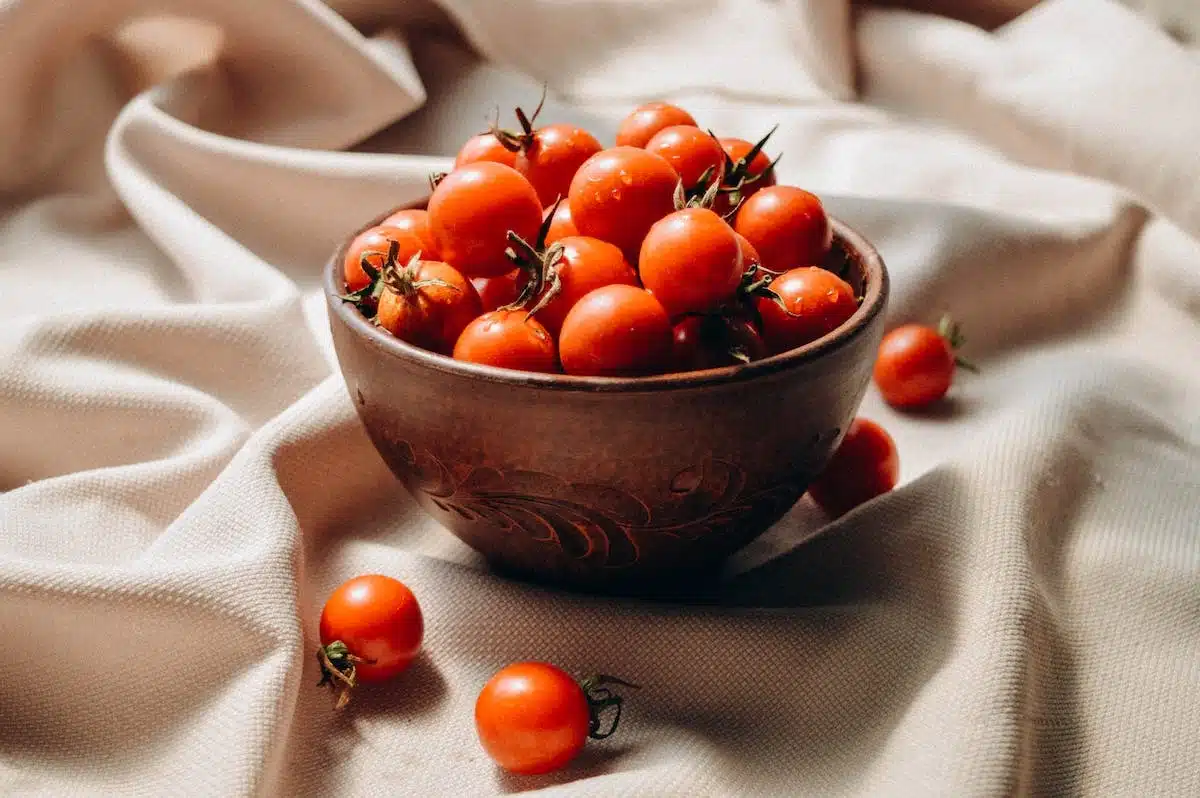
x,y
508,339
586,264
705,342
915,366
690,151
471,212
822,301
787,225
691,261
616,331
617,195
484,147
750,258
532,718
550,160
865,465
415,221
496,292
561,225
432,316
378,618
646,120
376,239
737,149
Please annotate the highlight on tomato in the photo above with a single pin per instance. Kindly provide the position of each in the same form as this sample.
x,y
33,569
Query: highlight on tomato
x,y
534,718
866,464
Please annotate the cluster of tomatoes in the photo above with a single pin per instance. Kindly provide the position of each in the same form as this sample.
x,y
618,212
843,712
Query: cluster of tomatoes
x,y
544,251
531,717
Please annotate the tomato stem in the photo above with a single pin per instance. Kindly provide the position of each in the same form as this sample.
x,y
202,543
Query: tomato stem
x,y
600,697
949,330
338,670
516,142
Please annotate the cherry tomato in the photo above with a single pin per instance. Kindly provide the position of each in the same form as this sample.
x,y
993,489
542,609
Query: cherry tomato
x,y
374,244
915,366
864,466
415,221
428,303
691,261
646,120
787,225
691,152
713,341
561,225
738,149
818,300
472,211
508,339
586,264
496,292
551,158
379,622
484,147
532,718
750,258
616,331
619,193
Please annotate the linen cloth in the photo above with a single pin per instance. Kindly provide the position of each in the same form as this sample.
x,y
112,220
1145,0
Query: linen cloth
x,y
185,479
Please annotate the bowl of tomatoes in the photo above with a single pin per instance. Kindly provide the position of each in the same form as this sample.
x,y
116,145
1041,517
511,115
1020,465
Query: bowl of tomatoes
x,y
607,368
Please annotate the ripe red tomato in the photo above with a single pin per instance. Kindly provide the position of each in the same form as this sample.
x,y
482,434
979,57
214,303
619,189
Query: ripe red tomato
x,y
787,225
374,243
378,624
484,147
713,341
532,718
817,300
496,292
586,264
619,193
415,221
552,156
915,366
750,258
691,261
691,152
508,339
865,465
472,211
427,303
646,120
615,331
737,150
561,224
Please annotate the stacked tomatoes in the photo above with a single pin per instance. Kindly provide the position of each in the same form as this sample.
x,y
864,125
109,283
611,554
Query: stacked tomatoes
x,y
544,251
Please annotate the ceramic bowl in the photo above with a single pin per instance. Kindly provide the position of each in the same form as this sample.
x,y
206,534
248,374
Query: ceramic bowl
x,y
624,485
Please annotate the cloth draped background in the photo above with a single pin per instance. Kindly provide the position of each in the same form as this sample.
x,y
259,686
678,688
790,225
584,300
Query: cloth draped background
x,y
184,478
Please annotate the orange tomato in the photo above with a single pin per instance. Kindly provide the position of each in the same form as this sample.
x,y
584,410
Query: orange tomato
x,y
379,621
618,193
428,303
646,120
691,261
745,173
508,339
484,147
551,157
561,224
586,264
817,302
787,226
373,244
865,465
691,152
616,331
415,221
915,366
532,718
496,292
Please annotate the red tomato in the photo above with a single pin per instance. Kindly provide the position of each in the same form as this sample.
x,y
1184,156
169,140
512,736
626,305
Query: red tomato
x,y
484,147
817,300
750,258
415,221
691,261
472,211
378,622
646,120
508,339
691,152
711,342
561,225
616,331
532,718
787,225
864,466
586,264
619,193
552,156
915,366
428,303
496,292
373,244
737,150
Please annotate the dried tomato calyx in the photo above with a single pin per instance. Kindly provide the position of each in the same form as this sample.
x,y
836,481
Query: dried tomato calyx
x,y
600,698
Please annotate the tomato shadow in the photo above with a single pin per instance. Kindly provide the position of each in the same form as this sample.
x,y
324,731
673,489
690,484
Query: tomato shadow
x,y
418,690
596,759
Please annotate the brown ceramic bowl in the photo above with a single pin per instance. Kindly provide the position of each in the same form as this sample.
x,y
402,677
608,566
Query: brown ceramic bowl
x,y
611,484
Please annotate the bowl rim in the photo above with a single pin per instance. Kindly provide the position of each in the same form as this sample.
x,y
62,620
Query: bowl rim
x,y
875,296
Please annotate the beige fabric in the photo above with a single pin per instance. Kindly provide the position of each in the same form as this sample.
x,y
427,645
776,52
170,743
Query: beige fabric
x,y
185,479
